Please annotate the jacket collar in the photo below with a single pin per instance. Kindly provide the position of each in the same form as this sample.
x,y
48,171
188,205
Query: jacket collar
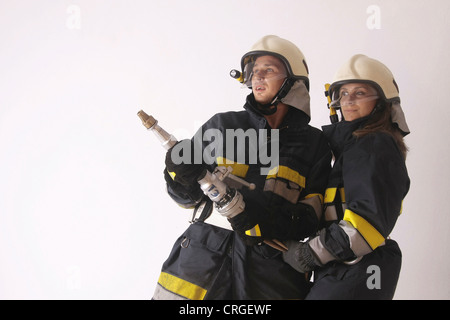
x,y
340,133
294,118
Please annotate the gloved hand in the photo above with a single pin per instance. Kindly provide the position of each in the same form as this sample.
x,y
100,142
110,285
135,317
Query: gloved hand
x,y
242,225
247,229
300,256
186,196
184,173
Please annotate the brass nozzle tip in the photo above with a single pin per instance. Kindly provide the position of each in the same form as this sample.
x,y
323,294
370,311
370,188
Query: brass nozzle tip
x,y
147,121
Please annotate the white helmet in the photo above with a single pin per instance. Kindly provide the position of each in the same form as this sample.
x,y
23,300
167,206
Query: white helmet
x,y
295,89
286,51
361,68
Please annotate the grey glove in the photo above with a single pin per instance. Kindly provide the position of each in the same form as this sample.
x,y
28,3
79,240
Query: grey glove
x,y
300,256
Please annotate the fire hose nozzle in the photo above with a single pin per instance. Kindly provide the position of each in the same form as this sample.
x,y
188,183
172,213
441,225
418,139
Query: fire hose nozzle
x,y
167,140
229,202
147,121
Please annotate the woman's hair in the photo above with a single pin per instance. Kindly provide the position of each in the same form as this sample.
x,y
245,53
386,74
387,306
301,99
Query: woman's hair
x,y
380,121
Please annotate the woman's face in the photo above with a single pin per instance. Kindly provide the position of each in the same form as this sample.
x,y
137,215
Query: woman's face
x,y
357,100
268,76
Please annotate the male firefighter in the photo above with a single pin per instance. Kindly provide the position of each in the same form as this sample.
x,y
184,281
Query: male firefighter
x,y
236,253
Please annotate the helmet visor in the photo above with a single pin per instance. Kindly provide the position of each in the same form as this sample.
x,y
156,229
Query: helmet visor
x,y
355,95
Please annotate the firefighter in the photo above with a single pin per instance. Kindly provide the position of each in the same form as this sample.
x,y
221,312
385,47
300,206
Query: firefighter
x,y
352,255
237,256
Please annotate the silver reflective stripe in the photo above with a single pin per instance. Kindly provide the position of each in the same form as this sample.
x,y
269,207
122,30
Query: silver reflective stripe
x,y
288,190
358,245
330,213
315,203
162,294
321,252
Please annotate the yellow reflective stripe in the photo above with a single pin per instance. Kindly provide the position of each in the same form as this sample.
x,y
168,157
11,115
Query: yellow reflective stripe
x,y
330,194
172,175
342,193
239,169
312,195
181,287
288,174
272,173
370,234
254,232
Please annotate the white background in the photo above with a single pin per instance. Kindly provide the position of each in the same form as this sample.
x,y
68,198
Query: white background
x,y
83,208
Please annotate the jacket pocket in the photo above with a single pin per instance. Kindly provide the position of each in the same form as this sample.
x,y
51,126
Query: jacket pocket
x,y
204,235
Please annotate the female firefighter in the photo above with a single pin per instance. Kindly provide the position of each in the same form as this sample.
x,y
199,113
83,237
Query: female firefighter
x,y
352,255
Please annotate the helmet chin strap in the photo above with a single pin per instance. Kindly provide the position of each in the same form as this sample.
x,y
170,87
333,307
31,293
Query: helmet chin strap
x,y
378,107
269,109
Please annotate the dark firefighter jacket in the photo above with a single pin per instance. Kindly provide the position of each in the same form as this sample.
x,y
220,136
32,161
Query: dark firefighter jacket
x,y
363,200
287,204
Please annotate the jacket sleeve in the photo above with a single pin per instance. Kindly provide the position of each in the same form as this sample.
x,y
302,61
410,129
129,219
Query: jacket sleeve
x,y
297,221
311,202
188,196
313,194
375,182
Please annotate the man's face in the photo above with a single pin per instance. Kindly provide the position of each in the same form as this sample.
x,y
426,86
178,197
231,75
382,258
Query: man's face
x,y
268,76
